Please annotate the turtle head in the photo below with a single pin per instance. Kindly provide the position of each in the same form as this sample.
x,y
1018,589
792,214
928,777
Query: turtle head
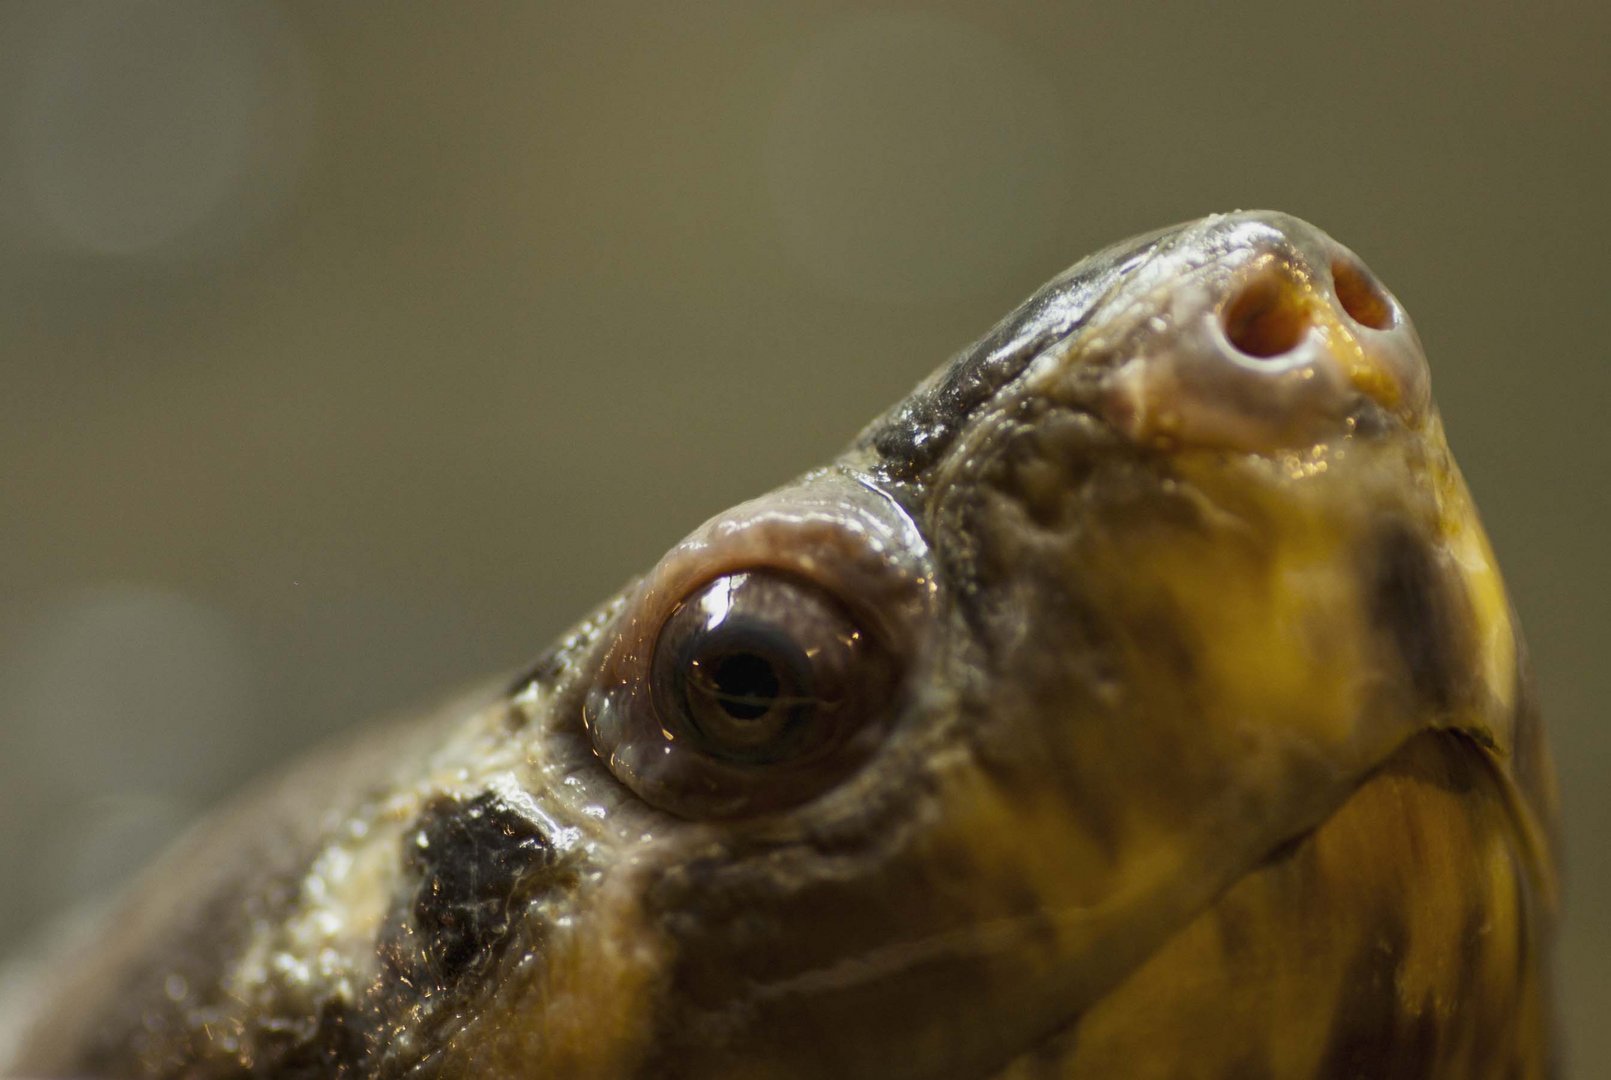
x,y
927,758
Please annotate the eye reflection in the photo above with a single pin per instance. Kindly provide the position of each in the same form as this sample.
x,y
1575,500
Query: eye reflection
x,y
717,599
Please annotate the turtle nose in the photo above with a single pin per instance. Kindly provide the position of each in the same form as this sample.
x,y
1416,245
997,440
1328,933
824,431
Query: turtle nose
x,y
1261,332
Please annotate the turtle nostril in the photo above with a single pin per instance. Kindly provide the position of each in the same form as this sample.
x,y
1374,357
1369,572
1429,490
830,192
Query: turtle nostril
x,y
1361,297
1269,317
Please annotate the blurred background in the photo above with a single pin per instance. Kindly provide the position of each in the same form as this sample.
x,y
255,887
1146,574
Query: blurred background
x,y
349,352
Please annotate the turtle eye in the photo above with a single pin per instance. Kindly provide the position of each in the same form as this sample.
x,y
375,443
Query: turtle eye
x,y
757,669
761,690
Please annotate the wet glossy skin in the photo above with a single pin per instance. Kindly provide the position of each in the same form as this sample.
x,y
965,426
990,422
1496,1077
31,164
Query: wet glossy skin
x,y
1151,706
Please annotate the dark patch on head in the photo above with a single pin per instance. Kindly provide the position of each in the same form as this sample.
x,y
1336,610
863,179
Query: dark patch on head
x,y
1412,605
474,865
1374,1034
917,432
1369,420
475,862
336,1046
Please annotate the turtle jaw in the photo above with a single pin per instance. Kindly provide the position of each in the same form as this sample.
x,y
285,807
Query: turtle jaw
x,y
1411,927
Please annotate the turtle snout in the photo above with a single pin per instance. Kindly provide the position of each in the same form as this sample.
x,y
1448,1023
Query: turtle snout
x,y
1260,332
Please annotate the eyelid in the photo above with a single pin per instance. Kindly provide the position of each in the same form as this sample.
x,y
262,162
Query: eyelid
x,y
831,530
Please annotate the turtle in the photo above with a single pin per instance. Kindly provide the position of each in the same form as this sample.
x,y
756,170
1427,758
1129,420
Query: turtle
x,y
1138,698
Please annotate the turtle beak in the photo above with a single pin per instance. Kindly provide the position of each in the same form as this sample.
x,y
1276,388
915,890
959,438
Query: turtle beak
x,y
1260,333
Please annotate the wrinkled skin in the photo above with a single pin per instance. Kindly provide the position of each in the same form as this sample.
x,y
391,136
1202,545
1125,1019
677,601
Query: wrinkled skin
x,y
1204,745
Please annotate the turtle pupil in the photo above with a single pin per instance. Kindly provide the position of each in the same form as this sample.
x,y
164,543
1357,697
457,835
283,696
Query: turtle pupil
x,y
746,686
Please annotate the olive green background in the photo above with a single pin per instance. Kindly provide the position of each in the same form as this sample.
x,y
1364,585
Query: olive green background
x,y
348,352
